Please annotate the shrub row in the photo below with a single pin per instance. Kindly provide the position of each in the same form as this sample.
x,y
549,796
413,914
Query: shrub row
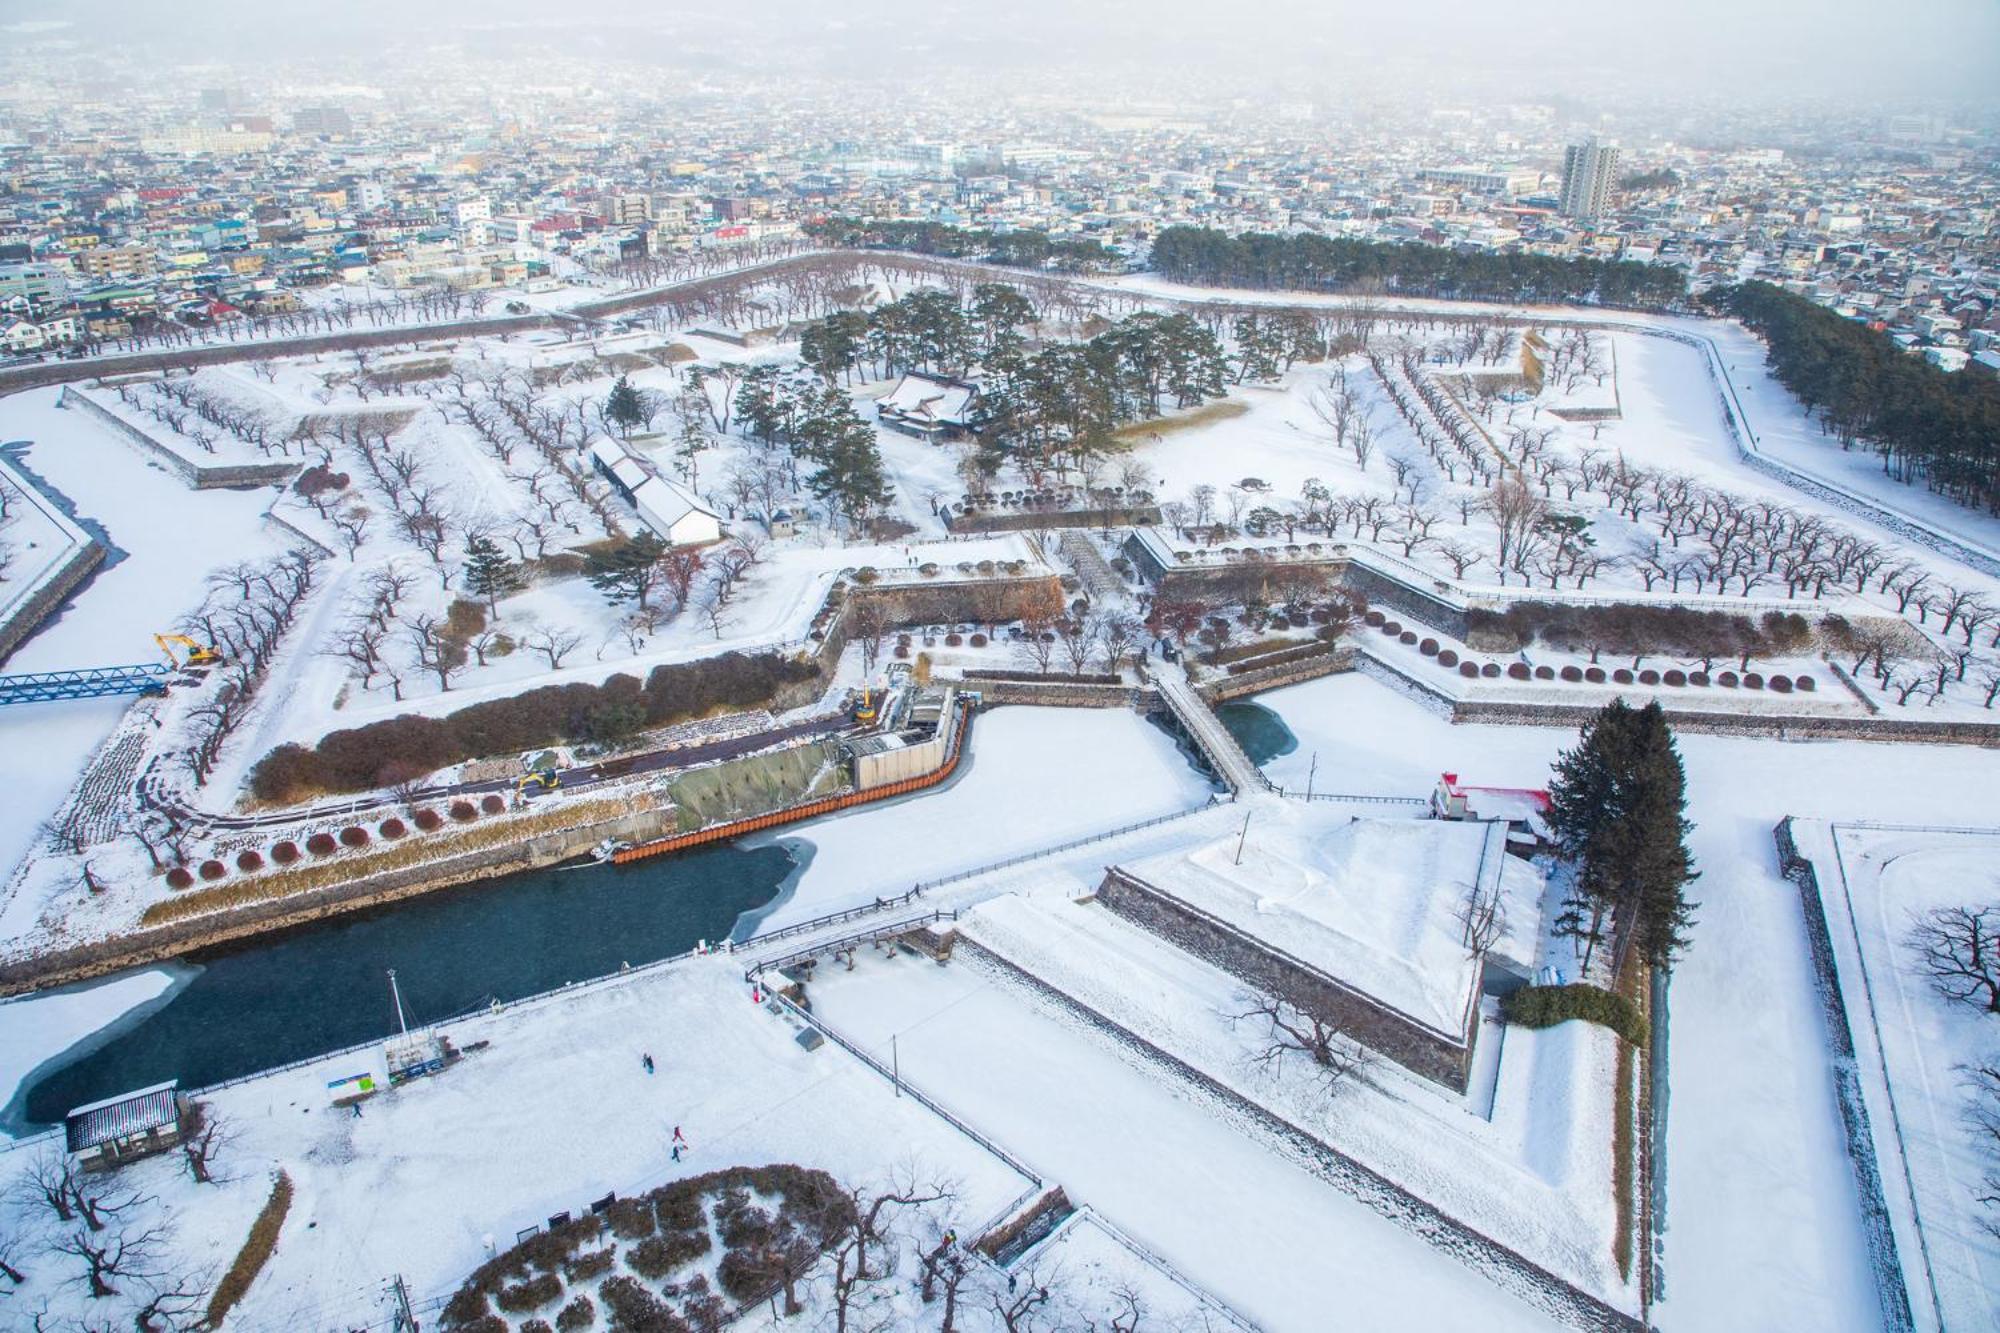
x,y
1638,628
1546,1006
407,747
256,1251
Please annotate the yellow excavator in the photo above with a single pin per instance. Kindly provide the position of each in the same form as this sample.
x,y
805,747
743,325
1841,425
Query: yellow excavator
x,y
541,780
197,655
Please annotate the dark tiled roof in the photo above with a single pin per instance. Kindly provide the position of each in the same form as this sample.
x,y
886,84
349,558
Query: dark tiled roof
x,y
135,1113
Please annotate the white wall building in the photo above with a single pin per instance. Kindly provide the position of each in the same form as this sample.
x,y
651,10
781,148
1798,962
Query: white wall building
x,y
664,505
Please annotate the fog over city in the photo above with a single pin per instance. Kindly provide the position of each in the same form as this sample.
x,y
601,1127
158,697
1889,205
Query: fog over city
x,y
1847,52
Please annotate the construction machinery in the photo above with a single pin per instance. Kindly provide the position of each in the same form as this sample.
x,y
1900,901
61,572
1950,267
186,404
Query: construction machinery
x,y
541,780
196,654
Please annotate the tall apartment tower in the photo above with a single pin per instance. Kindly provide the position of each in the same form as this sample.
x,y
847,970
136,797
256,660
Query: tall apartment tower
x,y
1589,170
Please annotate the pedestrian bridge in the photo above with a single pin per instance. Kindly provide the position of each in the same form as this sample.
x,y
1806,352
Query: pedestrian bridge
x,y
1205,729
84,683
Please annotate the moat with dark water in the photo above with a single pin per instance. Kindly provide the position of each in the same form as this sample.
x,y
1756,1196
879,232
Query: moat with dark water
x,y
318,988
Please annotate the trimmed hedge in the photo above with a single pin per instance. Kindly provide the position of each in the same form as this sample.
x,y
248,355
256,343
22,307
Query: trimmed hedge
x,y
255,1253
362,758
1546,1006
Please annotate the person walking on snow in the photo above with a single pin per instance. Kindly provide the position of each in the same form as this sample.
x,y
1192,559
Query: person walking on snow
x,y
679,1137
647,1060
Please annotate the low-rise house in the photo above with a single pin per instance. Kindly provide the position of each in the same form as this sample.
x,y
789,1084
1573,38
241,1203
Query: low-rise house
x,y
664,505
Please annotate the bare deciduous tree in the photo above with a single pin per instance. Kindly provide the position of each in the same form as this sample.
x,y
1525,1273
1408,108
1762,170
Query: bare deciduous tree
x,y
554,644
1290,1031
1958,948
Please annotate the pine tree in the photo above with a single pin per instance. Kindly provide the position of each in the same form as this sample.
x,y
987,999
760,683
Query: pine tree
x,y
623,409
1616,808
629,571
489,573
1661,866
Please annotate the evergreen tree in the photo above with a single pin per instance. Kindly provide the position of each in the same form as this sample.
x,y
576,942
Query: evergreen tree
x,y
629,571
623,409
489,573
850,476
1616,808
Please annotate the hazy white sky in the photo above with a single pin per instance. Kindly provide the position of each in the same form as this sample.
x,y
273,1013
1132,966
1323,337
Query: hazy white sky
x,y
1866,51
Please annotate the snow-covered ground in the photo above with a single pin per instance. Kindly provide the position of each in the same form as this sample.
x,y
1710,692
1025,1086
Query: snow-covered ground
x,y
429,1179
1372,902
169,537
1261,1232
1916,1050
1763,1227
1035,777
1528,1170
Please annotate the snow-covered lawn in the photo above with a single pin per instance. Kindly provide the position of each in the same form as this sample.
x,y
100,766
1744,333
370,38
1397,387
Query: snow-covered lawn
x,y
1035,777
1763,1227
1915,1049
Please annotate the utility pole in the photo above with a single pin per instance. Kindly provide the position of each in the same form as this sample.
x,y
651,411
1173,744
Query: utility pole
x,y
402,1320
1241,836
1311,773
396,993
895,1065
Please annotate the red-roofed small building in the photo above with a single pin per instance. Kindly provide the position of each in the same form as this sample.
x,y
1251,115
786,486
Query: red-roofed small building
x,y
1523,809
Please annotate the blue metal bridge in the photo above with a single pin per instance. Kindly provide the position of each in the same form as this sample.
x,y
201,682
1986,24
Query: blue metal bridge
x,y
88,683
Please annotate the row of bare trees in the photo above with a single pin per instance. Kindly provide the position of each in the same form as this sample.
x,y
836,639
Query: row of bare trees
x,y
196,411
249,608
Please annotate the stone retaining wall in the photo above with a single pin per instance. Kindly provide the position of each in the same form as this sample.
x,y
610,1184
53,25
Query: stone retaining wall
x,y
971,601
1422,1050
56,586
1032,520
200,476
156,944
1508,1269
1056,694
1883,1261
1782,726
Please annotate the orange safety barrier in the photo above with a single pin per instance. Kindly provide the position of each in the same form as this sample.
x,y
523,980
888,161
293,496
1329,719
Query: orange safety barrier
x,y
808,810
